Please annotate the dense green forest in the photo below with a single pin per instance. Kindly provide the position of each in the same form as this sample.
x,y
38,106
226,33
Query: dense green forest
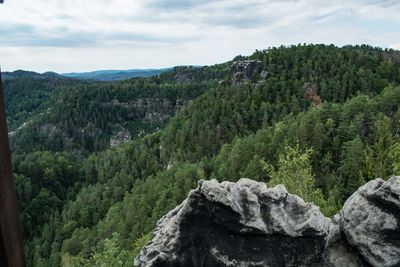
x,y
28,95
320,119
64,115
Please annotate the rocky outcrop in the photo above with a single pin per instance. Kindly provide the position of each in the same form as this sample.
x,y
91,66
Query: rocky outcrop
x,y
238,224
48,129
120,138
245,70
248,224
370,220
338,251
154,117
311,92
149,110
184,77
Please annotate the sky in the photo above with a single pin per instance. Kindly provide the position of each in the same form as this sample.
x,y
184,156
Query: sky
x,y
86,35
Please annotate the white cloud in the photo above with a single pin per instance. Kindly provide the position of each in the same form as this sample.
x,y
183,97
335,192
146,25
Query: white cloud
x,y
78,35
395,46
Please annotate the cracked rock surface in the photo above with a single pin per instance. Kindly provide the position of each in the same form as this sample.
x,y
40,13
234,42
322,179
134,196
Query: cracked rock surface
x,y
248,224
370,220
238,224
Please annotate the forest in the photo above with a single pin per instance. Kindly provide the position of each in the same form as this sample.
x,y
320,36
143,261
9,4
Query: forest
x,y
320,119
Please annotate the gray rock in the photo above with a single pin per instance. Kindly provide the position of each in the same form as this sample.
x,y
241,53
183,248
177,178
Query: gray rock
x,y
370,221
341,254
120,138
248,224
335,233
90,130
338,252
154,117
184,77
243,71
48,130
238,224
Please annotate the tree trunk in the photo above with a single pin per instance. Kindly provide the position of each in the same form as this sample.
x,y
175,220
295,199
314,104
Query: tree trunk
x,y
11,246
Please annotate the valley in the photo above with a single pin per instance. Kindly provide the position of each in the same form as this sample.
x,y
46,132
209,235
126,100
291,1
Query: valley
x,y
97,164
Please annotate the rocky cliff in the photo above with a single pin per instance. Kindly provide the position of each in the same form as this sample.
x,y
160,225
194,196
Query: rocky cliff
x,y
246,70
248,224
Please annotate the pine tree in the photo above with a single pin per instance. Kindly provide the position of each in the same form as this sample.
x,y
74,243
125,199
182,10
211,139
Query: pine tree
x,y
378,159
352,165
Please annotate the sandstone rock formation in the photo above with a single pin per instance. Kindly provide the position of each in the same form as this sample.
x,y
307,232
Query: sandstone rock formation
x,y
243,71
184,77
248,224
370,219
237,224
338,252
311,92
120,138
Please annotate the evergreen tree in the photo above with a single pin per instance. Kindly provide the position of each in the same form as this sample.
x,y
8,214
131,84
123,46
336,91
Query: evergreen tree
x,y
378,154
294,171
352,166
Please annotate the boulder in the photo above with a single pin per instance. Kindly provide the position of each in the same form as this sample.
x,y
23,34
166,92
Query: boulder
x,y
370,221
341,254
238,224
248,224
338,252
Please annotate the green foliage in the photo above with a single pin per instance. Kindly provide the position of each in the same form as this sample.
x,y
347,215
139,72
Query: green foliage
x,y
44,180
85,116
395,156
28,96
140,243
378,154
294,172
94,206
112,255
352,165
334,202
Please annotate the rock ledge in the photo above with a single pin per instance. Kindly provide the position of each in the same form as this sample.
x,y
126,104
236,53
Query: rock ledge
x,y
248,224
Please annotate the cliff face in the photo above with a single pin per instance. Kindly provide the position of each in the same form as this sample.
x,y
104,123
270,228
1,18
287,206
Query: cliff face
x,y
248,224
244,71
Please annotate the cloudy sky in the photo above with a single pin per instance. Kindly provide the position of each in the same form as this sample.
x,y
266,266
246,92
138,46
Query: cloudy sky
x,y
84,35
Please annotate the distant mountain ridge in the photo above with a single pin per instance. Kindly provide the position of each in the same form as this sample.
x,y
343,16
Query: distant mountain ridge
x,y
30,74
113,75
99,75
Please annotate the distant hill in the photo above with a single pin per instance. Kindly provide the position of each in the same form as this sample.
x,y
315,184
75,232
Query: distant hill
x,y
99,75
29,74
114,75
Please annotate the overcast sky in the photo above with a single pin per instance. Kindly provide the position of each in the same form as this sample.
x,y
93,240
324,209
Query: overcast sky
x,y
84,35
